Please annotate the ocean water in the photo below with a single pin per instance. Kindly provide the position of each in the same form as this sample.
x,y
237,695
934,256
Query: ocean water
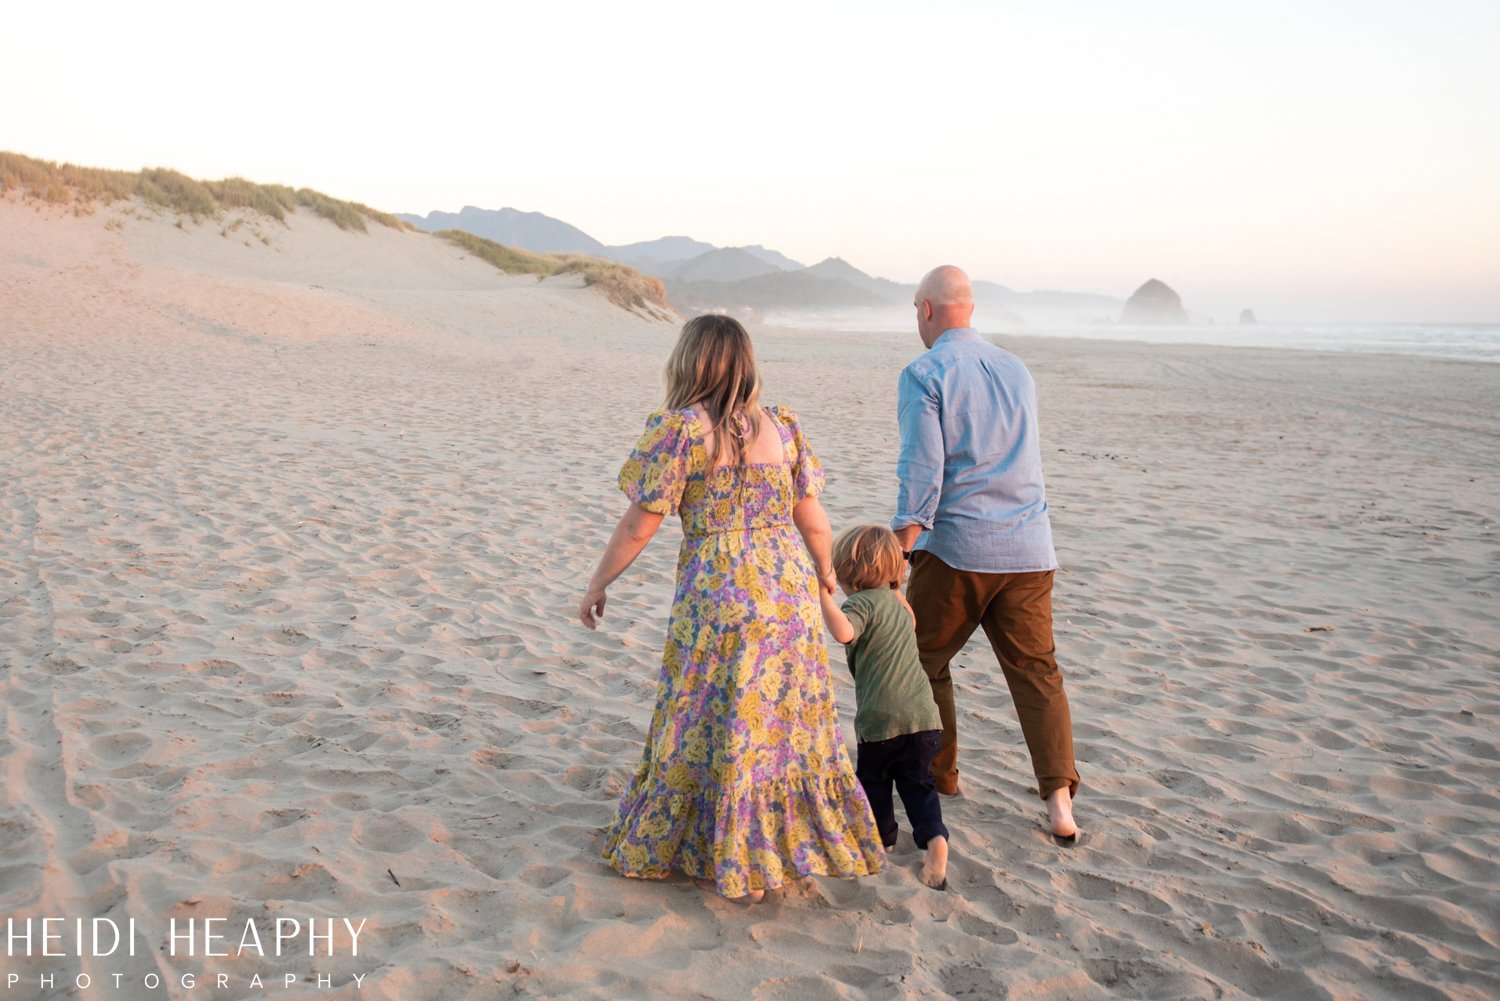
x,y
1472,342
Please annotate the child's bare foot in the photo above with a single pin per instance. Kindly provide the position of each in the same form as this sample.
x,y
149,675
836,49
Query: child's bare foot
x,y
935,867
1060,817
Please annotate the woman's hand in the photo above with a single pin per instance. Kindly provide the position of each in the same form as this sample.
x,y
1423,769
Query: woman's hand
x,y
591,608
828,581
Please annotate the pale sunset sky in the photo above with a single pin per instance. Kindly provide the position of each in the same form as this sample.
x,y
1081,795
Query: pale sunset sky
x,y
1315,161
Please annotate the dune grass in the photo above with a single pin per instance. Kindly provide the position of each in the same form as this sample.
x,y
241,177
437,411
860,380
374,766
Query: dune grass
x,y
81,187
625,287
508,259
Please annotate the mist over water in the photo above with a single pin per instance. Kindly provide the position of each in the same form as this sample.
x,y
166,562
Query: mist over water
x,y
1472,342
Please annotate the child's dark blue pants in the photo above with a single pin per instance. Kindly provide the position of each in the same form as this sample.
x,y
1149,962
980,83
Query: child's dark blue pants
x,y
905,761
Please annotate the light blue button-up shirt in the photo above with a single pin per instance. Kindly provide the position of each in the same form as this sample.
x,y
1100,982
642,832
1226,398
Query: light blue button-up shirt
x,y
971,462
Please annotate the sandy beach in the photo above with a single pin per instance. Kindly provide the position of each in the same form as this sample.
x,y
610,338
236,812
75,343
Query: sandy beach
x,y
291,537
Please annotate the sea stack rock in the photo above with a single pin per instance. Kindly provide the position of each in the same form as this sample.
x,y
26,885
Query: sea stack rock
x,y
1247,318
1154,302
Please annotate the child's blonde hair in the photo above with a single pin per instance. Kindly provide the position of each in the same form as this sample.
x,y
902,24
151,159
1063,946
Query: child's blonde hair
x,y
868,556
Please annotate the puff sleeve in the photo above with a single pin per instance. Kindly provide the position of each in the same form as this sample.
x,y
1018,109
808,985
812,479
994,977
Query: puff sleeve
x,y
807,471
656,473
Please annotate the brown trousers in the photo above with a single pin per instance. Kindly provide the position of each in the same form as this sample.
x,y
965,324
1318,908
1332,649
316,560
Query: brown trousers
x,y
1015,610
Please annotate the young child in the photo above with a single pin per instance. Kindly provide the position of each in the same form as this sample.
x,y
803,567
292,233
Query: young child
x,y
895,719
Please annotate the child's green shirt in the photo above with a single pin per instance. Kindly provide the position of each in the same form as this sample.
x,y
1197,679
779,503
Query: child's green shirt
x,y
891,693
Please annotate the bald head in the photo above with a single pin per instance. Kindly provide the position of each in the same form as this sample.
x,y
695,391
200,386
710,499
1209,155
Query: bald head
x,y
944,300
946,286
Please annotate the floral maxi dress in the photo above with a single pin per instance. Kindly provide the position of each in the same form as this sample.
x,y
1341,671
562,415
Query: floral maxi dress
x,y
744,779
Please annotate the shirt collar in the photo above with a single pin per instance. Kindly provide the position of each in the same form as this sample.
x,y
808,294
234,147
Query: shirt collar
x,y
953,334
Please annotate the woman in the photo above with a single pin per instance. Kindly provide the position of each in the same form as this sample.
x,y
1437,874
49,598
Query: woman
x,y
744,782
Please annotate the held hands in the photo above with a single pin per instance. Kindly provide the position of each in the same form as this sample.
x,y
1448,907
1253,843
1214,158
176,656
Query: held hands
x,y
591,608
828,582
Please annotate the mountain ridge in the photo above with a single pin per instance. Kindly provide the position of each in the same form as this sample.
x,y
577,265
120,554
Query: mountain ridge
x,y
704,276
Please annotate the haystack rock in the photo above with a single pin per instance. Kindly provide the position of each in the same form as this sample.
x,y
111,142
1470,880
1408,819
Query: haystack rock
x,y
1247,317
1154,302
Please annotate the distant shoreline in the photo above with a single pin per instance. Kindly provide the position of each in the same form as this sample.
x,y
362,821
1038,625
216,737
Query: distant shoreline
x,y
1477,342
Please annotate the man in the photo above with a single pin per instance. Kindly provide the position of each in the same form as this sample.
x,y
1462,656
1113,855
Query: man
x,y
972,506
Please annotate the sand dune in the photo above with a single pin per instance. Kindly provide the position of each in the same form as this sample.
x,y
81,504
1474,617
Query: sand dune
x,y
290,539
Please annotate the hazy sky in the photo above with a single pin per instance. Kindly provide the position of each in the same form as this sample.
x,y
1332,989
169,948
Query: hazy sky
x,y
1311,160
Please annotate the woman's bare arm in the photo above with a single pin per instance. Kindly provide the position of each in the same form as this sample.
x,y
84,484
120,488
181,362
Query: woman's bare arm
x,y
812,523
634,529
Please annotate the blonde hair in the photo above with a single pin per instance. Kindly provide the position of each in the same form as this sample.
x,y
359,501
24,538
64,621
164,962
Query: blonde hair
x,y
713,366
868,556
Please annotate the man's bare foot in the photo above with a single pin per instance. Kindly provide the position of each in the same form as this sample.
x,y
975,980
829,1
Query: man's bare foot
x,y
1060,816
935,867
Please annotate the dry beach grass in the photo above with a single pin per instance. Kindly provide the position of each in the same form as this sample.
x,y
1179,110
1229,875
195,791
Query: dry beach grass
x,y
292,533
